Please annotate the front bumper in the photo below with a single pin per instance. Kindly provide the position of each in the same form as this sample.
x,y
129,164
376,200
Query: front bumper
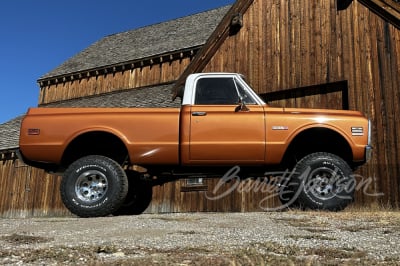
x,y
368,153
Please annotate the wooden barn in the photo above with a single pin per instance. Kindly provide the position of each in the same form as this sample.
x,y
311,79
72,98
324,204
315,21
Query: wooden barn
x,y
339,54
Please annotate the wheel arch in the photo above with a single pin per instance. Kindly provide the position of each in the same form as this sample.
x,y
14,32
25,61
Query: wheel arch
x,y
318,139
95,142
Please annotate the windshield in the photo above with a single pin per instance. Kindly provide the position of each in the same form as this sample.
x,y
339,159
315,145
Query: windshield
x,y
244,95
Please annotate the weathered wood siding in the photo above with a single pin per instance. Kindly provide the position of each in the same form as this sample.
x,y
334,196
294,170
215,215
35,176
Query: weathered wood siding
x,y
28,192
114,81
289,44
234,196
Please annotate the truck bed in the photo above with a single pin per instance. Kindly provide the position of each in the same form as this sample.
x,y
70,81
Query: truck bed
x,y
151,135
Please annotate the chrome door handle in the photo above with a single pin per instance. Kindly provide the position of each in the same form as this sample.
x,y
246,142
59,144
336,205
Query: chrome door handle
x,y
199,113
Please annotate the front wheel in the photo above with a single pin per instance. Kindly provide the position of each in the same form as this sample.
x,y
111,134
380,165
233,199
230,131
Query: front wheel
x,y
323,181
94,186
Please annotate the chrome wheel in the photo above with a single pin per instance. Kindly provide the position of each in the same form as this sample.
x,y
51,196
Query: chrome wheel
x,y
322,183
91,186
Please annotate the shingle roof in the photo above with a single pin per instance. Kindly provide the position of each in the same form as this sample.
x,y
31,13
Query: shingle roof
x,y
9,133
157,96
174,35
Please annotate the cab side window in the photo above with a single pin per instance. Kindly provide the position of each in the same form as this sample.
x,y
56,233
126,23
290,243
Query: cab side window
x,y
216,91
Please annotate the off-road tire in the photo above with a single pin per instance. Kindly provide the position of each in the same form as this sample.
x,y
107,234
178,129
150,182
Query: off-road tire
x,y
323,181
94,186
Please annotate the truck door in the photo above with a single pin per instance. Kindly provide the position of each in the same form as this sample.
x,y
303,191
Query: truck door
x,y
222,130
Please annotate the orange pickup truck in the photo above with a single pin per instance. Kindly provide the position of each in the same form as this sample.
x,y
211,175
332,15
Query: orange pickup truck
x,y
222,123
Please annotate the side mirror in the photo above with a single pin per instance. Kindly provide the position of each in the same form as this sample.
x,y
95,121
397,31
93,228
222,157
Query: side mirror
x,y
242,106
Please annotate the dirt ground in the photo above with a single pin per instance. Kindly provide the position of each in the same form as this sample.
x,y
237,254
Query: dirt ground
x,y
264,238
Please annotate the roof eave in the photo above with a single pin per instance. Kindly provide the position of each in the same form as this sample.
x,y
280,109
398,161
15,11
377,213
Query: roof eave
x,y
137,63
387,9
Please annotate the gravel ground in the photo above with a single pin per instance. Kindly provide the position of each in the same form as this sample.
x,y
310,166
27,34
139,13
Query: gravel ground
x,y
269,238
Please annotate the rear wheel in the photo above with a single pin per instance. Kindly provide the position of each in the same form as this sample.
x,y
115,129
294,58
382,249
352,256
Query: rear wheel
x,y
323,181
94,186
